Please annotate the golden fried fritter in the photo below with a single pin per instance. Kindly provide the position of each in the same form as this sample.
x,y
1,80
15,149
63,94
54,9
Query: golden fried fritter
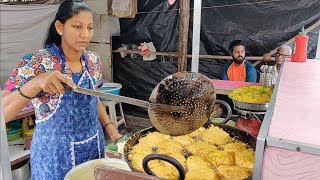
x,y
201,148
234,147
183,140
202,174
180,158
197,134
166,172
153,139
233,172
141,148
216,136
169,146
221,157
245,158
196,162
155,163
136,161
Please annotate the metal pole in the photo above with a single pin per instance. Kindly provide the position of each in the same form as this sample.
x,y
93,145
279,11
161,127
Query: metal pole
x,y
318,47
5,168
196,35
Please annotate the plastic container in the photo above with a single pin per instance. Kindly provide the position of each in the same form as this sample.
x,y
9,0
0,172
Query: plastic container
x,y
14,129
111,88
25,127
301,43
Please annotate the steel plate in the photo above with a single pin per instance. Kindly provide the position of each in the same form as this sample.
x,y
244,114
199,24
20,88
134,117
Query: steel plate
x,y
250,106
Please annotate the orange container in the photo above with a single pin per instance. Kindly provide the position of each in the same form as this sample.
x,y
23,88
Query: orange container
x,y
301,43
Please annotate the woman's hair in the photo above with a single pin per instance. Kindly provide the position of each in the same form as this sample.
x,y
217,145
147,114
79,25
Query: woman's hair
x,y
67,10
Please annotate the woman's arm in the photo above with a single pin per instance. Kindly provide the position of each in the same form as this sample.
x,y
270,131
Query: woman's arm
x,y
13,102
104,120
50,82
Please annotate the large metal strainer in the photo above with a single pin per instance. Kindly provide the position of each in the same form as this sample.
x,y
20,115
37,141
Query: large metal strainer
x,y
193,90
178,105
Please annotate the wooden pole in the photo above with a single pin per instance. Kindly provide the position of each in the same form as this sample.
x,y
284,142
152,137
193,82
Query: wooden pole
x,y
183,34
175,54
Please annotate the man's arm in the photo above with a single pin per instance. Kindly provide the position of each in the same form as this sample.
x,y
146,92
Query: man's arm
x,y
251,73
105,121
224,72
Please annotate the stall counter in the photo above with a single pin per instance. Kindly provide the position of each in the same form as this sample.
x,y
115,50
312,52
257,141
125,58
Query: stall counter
x,y
288,144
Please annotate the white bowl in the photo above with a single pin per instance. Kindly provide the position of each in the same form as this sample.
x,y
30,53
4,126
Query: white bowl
x,y
85,171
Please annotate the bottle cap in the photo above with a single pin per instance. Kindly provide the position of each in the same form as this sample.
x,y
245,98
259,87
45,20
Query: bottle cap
x,y
302,31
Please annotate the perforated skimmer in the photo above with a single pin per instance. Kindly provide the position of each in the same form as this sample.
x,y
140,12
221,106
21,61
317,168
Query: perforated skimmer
x,y
178,105
182,89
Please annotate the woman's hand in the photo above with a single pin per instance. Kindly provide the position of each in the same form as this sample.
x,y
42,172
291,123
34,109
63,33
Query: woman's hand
x,y
114,136
50,82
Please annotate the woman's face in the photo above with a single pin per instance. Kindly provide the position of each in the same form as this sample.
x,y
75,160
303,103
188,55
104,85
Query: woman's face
x,y
77,32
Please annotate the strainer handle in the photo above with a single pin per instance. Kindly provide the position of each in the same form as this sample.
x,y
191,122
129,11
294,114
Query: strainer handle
x,y
166,158
170,108
227,106
128,100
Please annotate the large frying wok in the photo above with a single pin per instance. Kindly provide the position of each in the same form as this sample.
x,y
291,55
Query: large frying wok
x,y
133,140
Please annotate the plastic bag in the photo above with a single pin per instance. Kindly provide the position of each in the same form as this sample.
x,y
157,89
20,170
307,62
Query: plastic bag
x,y
145,48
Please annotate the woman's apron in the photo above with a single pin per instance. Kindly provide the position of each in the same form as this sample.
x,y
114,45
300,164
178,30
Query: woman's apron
x,y
69,136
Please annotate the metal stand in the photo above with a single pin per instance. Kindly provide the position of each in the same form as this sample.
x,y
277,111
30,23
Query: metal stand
x,y
243,111
254,113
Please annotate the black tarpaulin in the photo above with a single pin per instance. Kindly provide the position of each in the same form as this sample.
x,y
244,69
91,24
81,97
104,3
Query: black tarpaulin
x,y
262,25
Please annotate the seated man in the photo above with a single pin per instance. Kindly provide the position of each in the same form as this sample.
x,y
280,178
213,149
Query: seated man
x,y
240,69
283,53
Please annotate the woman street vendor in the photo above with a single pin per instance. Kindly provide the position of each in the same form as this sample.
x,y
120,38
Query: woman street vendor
x,y
69,126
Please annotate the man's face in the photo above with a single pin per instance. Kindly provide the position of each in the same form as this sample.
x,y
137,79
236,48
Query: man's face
x,y
281,55
238,54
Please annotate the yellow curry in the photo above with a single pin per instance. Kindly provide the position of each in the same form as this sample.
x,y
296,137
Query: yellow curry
x,y
252,94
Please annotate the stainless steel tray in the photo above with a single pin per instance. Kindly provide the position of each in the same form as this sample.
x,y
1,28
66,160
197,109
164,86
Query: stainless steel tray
x,y
250,106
